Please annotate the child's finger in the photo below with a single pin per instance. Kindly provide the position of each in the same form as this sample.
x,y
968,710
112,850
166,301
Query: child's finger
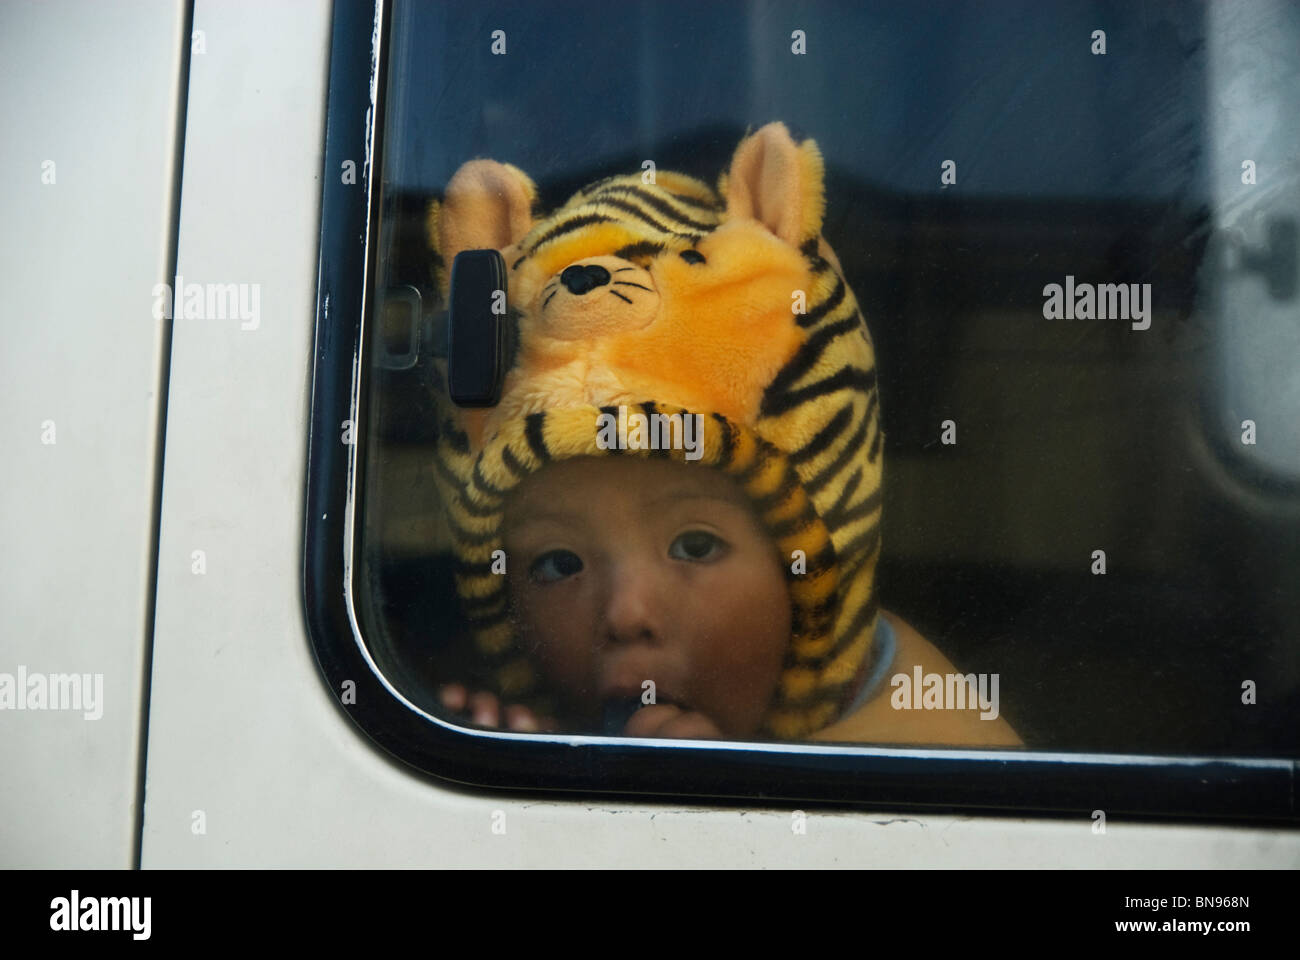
x,y
695,726
668,720
521,719
647,721
485,710
453,697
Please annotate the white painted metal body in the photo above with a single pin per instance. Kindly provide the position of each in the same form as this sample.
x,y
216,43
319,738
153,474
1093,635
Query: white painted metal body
x,y
242,734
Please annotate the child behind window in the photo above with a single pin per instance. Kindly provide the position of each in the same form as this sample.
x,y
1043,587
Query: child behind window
x,y
669,525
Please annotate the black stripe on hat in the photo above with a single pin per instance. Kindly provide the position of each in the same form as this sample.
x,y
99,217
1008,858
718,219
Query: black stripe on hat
x,y
763,454
845,495
826,306
477,570
512,463
846,377
481,482
847,453
728,441
476,608
617,448
642,248
651,410
815,616
444,471
700,202
568,226
851,570
474,510
870,504
820,562
824,437
800,521
809,352
875,446
866,541
534,425
456,438
638,214
855,626
778,496
658,204
465,538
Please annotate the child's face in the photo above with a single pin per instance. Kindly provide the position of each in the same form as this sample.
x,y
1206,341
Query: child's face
x,y
624,570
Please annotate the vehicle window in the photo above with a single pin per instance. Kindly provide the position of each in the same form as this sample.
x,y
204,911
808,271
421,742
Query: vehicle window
x,y
882,373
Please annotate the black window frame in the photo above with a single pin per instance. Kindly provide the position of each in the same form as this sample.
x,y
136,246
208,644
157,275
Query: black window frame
x,y
911,778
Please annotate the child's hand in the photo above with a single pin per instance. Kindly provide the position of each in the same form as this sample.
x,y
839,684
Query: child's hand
x,y
670,720
483,708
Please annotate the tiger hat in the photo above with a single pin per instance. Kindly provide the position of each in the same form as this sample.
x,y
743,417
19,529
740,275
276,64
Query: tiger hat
x,y
727,304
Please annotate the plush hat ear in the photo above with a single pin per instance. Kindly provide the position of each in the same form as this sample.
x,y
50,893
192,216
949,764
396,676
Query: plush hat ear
x,y
778,183
488,205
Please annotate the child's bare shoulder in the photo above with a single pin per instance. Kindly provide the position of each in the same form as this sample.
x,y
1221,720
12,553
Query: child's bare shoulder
x,y
879,722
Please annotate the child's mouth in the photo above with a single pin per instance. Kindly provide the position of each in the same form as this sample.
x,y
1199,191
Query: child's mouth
x,y
618,710
615,714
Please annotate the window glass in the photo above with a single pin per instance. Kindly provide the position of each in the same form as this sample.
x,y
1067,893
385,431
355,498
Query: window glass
x,y
873,373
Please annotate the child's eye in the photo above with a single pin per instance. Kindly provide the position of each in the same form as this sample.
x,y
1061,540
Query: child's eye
x,y
555,565
697,545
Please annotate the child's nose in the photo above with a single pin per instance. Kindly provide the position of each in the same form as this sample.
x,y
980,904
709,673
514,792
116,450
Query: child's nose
x,y
635,608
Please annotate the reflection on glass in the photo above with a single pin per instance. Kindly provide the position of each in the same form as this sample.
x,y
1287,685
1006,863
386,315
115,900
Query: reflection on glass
x,y
896,419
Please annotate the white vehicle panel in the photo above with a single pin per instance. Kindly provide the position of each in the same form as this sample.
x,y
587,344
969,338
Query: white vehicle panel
x,y
89,97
